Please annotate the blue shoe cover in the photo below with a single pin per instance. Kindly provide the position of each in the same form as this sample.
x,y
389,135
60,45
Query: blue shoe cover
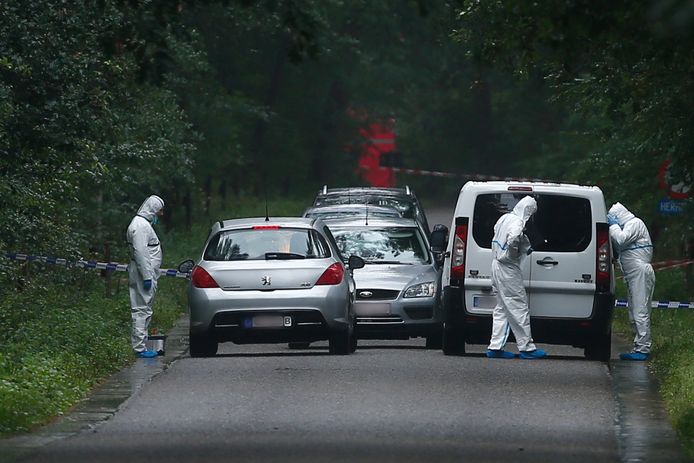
x,y
147,354
533,354
500,354
638,356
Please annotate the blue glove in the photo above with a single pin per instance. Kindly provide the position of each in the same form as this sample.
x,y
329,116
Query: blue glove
x,y
529,251
147,284
612,220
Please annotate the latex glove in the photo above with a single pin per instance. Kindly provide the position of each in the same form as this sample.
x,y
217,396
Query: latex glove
x,y
529,251
147,284
612,220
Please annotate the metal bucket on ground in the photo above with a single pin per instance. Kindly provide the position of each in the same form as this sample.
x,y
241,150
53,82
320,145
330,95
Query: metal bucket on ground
x,y
156,343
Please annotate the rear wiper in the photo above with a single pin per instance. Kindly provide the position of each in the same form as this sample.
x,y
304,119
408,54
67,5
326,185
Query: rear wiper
x,y
283,256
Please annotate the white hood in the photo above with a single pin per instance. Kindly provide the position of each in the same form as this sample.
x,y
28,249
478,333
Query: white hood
x,y
150,207
621,213
525,208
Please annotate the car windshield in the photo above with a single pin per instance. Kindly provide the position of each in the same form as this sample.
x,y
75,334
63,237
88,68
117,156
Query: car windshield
x,y
386,245
404,206
561,223
266,243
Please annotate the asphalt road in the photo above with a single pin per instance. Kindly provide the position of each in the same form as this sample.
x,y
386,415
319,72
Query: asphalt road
x,y
391,401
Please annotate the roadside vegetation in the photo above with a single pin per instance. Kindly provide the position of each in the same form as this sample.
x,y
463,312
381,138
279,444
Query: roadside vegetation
x,y
64,331
672,357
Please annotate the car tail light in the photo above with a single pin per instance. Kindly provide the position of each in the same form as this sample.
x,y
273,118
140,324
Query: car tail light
x,y
266,227
459,247
202,279
520,188
332,275
602,259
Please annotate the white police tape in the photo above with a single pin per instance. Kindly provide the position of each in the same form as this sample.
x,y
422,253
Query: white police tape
x,y
86,264
659,304
172,272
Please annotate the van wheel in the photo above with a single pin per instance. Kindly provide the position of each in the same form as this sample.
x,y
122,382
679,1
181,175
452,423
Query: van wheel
x,y
453,340
599,348
202,346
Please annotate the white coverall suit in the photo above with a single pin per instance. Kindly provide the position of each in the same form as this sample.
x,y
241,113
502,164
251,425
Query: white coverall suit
x,y
145,252
509,246
633,242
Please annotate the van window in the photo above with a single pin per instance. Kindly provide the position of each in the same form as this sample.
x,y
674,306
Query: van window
x,y
561,223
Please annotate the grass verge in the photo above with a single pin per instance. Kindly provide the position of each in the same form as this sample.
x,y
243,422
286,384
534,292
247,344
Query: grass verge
x,y
61,333
672,357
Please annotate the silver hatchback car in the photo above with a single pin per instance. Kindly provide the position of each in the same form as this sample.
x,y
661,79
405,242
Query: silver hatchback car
x,y
276,281
398,289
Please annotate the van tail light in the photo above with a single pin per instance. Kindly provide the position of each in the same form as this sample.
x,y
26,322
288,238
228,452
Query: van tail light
x,y
459,248
332,276
202,279
603,264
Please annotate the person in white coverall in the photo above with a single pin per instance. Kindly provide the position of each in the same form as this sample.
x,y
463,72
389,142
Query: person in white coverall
x,y
143,270
509,246
633,243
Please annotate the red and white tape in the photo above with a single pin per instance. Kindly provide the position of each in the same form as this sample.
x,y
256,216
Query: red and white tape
x,y
481,177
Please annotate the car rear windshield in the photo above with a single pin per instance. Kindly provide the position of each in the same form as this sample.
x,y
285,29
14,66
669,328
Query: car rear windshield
x,y
329,213
387,245
561,223
404,206
261,244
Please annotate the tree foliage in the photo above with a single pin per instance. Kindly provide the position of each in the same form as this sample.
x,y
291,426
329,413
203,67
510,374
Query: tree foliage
x,y
622,70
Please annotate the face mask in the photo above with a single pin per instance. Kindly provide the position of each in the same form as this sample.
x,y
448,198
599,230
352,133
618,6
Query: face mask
x,y
155,220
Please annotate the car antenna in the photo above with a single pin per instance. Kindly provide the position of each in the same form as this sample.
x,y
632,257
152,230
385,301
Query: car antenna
x,y
267,215
367,215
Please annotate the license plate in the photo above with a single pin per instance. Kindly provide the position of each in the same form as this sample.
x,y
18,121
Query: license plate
x,y
371,309
484,302
270,321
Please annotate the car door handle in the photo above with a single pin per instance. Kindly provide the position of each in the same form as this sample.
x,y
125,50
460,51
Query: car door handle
x,y
547,261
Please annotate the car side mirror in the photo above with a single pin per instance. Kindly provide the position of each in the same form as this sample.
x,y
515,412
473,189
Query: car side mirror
x,y
355,262
186,266
438,239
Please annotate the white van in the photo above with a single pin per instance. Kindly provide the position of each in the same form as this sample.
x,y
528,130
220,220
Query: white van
x,y
569,277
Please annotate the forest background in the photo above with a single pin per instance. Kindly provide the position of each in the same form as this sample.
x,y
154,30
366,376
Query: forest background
x,y
223,102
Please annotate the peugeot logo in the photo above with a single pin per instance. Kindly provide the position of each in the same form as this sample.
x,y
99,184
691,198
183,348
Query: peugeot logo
x,y
366,293
266,280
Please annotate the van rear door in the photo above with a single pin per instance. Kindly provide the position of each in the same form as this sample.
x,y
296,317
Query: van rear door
x,y
479,297
562,267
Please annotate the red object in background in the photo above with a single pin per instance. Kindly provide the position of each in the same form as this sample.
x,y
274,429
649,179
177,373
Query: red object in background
x,y
678,191
378,138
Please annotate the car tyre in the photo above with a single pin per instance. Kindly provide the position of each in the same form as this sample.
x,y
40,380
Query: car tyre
x,y
599,347
202,346
299,345
453,340
339,342
434,341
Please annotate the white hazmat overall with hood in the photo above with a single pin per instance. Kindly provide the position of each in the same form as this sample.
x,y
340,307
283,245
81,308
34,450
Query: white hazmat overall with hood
x,y
509,246
146,256
633,243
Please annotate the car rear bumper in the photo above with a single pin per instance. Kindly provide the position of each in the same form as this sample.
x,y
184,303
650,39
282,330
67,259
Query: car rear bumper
x,y
575,332
229,315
